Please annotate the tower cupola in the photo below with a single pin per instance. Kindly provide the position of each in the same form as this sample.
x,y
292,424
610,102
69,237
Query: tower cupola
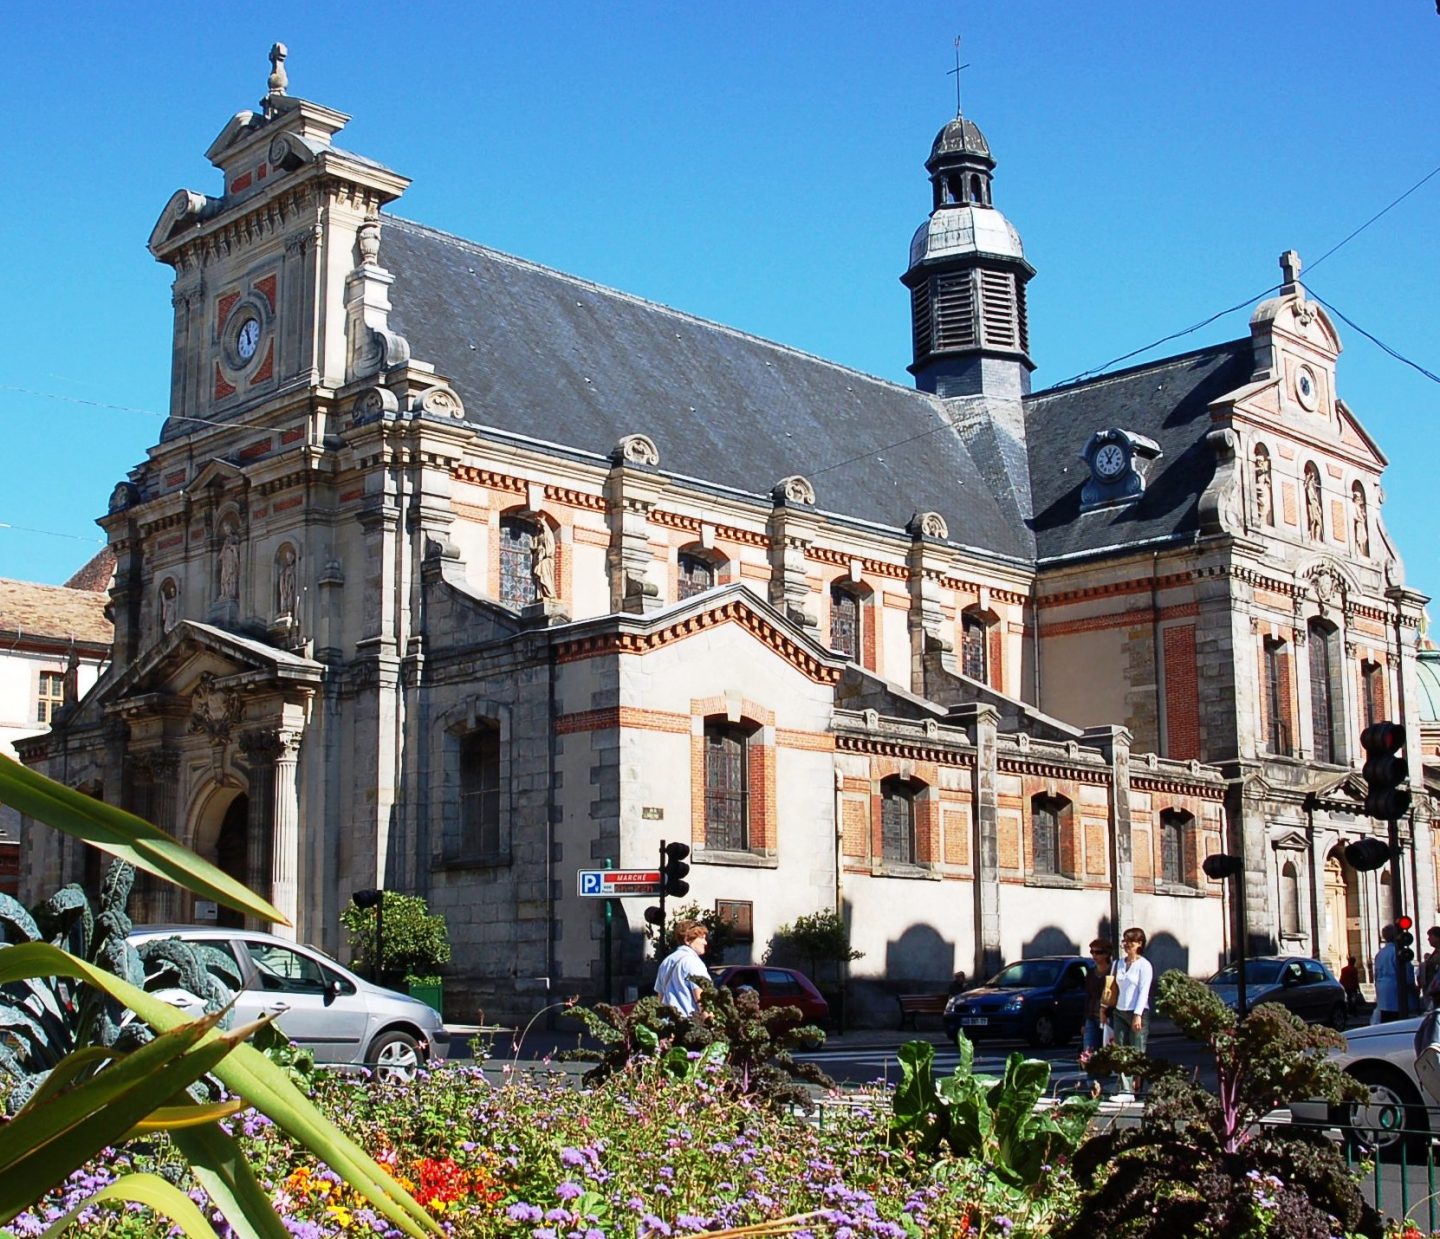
x,y
967,278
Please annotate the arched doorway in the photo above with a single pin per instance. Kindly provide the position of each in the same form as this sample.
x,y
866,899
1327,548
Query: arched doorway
x,y
231,850
1342,915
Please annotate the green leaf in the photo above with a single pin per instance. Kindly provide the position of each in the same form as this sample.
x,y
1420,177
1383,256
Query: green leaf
x,y
246,1072
175,1118
225,1174
122,834
914,1102
646,1037
145,1189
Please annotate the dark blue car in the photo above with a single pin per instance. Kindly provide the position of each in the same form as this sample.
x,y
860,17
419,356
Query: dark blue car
x,y
1041,1000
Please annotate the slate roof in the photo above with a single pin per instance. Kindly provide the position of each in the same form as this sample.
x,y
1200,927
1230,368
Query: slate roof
x,y
1166,401
54,612
539,353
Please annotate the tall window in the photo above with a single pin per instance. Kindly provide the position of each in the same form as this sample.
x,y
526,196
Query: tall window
x,y
845,622
975,646
51,696
480,793
517,562
1175,828
1372,691
897,820
1322,712
727,787
1047,815
697,574
1276,705
1289,899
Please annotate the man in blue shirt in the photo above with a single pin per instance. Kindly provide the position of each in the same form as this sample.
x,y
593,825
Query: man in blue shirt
x,y
1388,974
675,982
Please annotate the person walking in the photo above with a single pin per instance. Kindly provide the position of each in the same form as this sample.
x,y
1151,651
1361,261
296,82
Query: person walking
x,y
1130,1020
1390,977
1350,983
675,981
1092,1035
1430,970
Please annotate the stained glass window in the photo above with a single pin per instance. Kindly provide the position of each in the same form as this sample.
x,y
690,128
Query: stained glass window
x,y
727,788
845,622
1275,678
897,820
696,575
480,793
1045,815
974,647
517,562
1174,826
1322,712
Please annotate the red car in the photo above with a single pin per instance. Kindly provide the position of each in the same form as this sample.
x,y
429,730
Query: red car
x,y
777,987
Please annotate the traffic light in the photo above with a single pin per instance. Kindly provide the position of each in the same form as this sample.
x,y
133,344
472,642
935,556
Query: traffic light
x,y
1222,865
1404,940
655,915
1385,771
1367,854
673,869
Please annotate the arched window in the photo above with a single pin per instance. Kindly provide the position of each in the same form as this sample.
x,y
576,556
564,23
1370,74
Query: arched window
x,y
518,537
480,793
845,621
1047,821
1276,689
727,786
897,820
1372,691
1322,691
697,574
975,646
954,188
1289,899
1175,829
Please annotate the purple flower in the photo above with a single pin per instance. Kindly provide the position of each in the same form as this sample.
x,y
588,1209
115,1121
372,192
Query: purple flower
x,y
523,1213
572,1157
568,1190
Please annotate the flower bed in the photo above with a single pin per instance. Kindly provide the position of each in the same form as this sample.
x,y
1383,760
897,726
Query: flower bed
x,y
644,1155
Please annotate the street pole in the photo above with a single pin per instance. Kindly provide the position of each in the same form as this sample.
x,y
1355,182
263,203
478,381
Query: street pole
x,y
609,954
1397,910
380,939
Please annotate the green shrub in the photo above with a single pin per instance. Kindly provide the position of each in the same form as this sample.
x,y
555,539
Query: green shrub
x,y
415,941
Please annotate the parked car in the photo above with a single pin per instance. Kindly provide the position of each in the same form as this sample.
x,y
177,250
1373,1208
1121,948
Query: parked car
x,y
321,1005
1382,1057
1041,1000
1304,986
777,987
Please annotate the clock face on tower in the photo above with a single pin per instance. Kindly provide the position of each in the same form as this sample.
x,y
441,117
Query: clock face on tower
x,y
247,340
1110,461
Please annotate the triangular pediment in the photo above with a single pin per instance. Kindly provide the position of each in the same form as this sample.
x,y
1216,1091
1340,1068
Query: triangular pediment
x,y
215,472
1353,434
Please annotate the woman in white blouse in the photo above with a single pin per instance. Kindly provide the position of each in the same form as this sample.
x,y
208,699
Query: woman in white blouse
x,y
1130,1019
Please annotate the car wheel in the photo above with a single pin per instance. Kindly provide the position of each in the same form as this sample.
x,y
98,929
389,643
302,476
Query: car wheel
x,y
394,1055
1339,1017
1394,1118
1044,1031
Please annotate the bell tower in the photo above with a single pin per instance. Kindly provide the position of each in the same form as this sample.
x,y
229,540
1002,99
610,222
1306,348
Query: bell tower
x,y
967,278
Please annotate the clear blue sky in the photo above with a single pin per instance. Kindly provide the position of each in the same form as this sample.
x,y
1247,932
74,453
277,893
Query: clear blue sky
x,y
756,164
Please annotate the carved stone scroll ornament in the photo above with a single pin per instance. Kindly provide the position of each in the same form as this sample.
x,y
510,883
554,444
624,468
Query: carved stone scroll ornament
x,y
125,494
442,402
635,450
928,525
214,711
375,402
794,490
1221,504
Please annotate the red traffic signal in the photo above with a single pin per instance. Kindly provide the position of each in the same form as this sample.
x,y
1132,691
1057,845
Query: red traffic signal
x,y
1403,923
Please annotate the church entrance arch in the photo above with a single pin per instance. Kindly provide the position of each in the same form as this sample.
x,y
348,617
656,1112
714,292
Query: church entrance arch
x,y
1342,914
222,837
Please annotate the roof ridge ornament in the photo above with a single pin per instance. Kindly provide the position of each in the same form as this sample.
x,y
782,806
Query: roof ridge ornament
x,y
278,81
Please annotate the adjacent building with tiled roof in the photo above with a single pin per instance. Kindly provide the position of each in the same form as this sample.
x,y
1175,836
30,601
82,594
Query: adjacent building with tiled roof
x,y
462,576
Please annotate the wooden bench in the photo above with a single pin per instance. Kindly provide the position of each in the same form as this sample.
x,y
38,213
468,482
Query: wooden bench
x,y
912,1005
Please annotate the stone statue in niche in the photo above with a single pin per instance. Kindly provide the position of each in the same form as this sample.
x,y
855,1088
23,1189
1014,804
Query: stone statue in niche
x,y
169,604
1361,519
1264,490
229,566
287,591
1314,517
543,567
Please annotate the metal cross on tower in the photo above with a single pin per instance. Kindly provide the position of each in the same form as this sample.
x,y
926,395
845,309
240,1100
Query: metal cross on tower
x,y
956,72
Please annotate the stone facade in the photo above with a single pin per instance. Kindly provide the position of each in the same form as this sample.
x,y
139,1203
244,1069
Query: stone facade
x,y
384,619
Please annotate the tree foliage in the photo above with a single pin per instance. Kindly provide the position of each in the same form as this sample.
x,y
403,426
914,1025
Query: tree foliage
x,y
1203,1163
416,943
819,938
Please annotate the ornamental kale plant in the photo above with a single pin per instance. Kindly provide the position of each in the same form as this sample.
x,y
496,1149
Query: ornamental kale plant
x,y
754,1045
1205,1164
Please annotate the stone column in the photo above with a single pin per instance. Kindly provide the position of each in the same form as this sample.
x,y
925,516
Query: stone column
x,y
631,490
983,722
928,561
285,847
260,749
793,525
1114,743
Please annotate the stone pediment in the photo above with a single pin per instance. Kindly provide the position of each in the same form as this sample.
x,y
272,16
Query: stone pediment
x,y
192,654
215,472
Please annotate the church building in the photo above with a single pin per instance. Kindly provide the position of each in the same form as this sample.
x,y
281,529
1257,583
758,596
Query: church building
x,y
457,575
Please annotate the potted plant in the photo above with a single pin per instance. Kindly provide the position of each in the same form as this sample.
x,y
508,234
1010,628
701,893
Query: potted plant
x,y
409,948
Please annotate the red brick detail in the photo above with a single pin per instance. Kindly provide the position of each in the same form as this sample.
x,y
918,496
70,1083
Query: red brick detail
x,y
175,479
957,837
1132,618
284,505
266,288
349,496
222,388
259,448
622,716
1182,701
995,669
262,172
223,308
292,436
166,543
1287,500
241,182
853,818
267,367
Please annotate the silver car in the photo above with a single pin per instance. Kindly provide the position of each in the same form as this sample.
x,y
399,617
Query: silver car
x,y
319,1004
